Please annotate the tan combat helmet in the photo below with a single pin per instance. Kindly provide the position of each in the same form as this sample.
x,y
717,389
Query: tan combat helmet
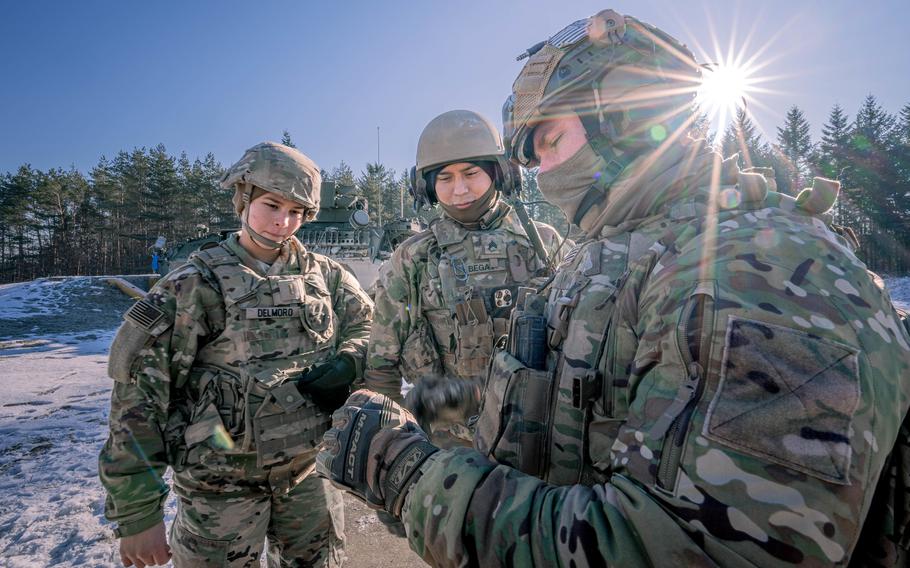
x,y
629,82
460,136
631,85
278,169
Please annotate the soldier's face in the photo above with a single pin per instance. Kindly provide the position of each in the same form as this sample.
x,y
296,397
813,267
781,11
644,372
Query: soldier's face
x,y
275,217
558,139
461,184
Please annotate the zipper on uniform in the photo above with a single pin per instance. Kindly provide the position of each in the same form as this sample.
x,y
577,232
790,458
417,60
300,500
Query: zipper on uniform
x,y
699,310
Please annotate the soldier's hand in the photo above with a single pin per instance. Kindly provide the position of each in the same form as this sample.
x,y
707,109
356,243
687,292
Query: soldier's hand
x,y
148,548
374,450
439,402
328,384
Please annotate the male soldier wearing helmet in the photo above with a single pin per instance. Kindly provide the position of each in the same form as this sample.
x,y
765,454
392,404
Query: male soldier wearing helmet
x,y
227,372
724,381
446,294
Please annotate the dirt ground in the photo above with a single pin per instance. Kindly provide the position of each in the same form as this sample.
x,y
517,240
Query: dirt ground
x,y
369,544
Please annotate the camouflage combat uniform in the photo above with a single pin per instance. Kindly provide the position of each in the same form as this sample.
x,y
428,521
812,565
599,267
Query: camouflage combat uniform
x,y
212,396
724,380
445,296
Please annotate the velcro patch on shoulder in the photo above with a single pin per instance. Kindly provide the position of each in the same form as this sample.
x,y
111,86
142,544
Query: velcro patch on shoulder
x,y
788,397
144,314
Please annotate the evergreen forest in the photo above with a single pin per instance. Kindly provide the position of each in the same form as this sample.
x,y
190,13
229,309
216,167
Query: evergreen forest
x,y
63,222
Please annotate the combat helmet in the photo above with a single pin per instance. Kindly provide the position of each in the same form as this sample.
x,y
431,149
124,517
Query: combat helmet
x,y
632,85
275,168
460,136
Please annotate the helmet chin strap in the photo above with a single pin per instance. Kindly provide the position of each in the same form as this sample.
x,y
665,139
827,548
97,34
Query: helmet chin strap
x,y
260,240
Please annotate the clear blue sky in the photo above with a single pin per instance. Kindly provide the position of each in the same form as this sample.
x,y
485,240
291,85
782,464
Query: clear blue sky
x,y
86,78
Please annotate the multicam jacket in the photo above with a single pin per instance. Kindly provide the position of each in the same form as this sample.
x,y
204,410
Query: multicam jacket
x,y
724,383
446,294
215,375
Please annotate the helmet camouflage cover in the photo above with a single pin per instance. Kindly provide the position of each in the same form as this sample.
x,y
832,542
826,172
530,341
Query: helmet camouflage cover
x,y
630,83
279,169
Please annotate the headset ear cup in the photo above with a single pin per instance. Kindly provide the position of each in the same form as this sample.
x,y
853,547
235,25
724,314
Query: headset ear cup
x,y
429,190
510,181
423,195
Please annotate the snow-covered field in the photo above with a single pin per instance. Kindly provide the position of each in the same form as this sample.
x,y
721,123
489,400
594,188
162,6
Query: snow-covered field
x,y
54,335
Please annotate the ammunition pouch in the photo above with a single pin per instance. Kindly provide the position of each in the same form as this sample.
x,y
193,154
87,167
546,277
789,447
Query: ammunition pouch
x,y
281,423
204,417
474,336
474,346
514,417
528,340
221,414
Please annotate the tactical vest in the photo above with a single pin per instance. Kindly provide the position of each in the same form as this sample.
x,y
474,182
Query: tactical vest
x,y
560,421
728,355
474,276
545,421
241,387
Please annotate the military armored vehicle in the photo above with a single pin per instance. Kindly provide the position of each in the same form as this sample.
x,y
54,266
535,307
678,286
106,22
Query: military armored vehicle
x,y
341,231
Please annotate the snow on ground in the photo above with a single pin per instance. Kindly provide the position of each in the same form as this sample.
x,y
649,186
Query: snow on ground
x,y
899,288
54,336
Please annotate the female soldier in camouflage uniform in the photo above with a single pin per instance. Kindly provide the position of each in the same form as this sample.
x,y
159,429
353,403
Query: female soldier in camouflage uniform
x,y
446,293
225,372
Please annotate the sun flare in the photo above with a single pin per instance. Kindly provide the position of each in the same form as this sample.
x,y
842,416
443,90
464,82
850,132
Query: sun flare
x,y
724,89
724,86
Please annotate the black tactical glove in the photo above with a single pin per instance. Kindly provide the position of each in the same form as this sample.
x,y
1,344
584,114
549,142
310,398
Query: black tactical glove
x,y
374,450
329,384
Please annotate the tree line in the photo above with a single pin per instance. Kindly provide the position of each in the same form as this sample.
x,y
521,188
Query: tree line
x,y
869,155
65,222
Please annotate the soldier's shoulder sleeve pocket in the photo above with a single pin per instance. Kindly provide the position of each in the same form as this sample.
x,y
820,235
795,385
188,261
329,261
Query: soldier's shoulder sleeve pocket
x,y
787,397
142,324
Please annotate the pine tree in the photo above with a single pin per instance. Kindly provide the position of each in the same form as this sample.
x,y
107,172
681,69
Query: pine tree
x,y
795,145
106,191
878,194
163,185
218,211
740,138
902,147
406,201
342,174
701,126
832,160
391,197
19,262
834,149
371,185
286,139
